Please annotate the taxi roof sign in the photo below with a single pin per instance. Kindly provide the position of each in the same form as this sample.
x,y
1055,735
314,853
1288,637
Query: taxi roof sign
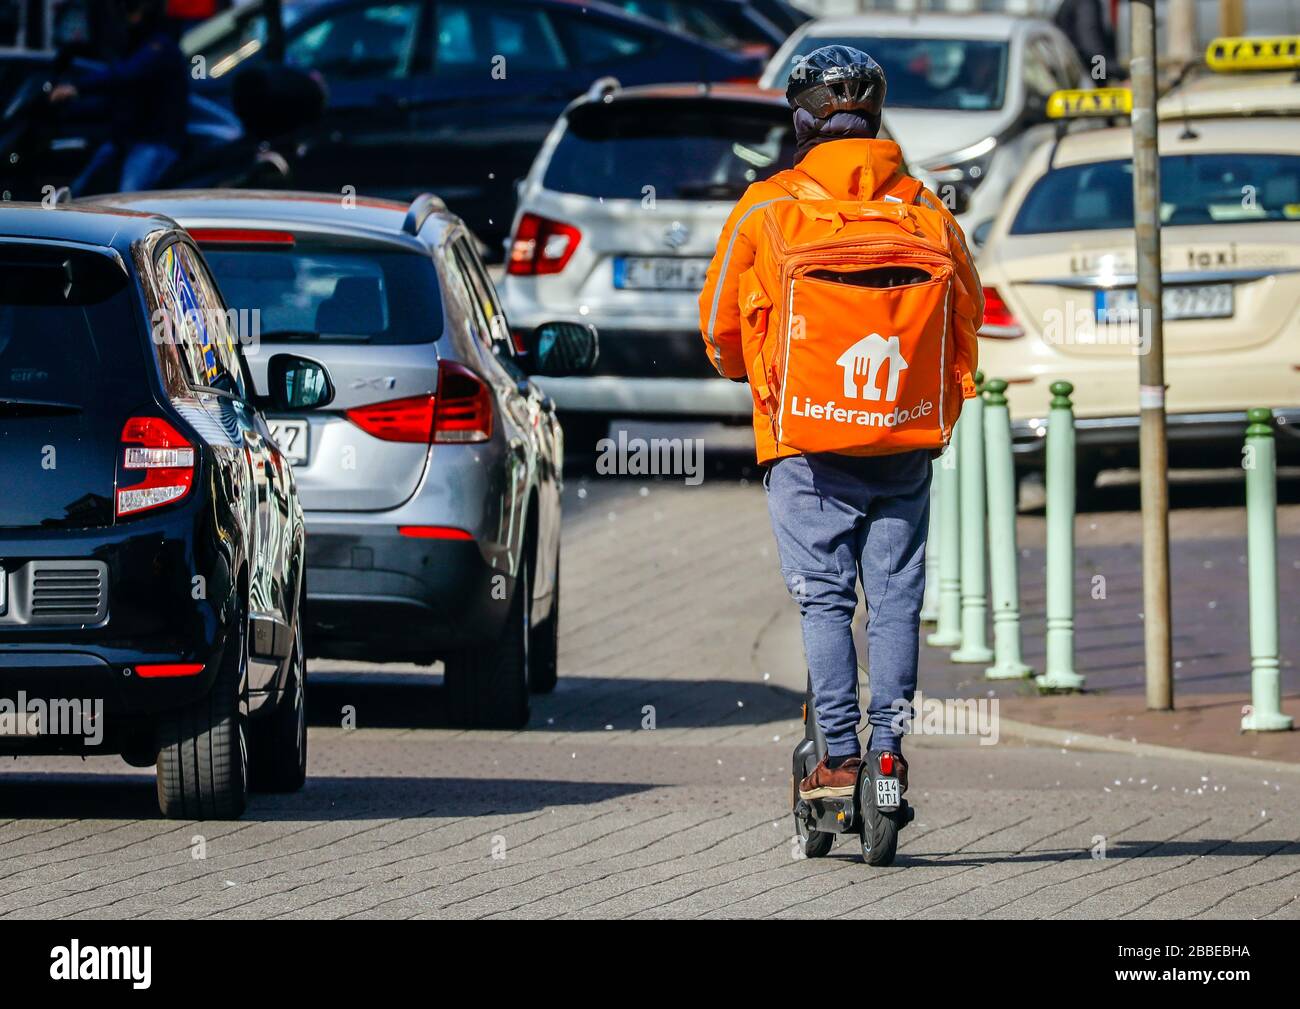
x,y
1229,55
1075,104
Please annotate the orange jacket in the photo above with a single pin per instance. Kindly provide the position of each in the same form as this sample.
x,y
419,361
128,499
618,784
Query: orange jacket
x,y
848,170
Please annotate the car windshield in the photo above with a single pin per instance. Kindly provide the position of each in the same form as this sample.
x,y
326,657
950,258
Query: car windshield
x,y
672,150
347,295
1194,189
929,73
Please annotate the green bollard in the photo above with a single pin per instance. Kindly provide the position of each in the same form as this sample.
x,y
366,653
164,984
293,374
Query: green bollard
x,y
930,600
947,631
1059,673
1004,563
1260,462
974,567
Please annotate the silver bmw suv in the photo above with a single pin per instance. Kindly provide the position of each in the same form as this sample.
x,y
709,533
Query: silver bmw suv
x,y
431,486
617,221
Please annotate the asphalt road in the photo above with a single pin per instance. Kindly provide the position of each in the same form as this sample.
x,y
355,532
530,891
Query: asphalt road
x,y
674,616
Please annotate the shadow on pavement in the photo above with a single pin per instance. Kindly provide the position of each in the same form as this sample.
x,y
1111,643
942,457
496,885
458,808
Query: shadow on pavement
x,y
579,704
100,796
1203,848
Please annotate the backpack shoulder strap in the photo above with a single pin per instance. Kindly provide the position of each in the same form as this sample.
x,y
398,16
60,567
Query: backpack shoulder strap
x,y
800,185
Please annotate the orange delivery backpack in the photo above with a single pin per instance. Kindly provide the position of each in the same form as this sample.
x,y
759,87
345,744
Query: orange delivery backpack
x,y
846,321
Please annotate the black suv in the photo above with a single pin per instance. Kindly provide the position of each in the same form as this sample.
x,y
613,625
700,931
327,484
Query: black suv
x,y
151,541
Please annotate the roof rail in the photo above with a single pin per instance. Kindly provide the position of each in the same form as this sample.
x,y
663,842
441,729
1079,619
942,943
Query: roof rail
x,y
421,207
602,87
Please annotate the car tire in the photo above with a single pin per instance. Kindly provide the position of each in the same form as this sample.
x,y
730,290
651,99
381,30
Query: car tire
x,y
487,687
544,650
279,740
203,747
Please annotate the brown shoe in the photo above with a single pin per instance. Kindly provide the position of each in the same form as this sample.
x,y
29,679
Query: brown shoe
x,y
824,783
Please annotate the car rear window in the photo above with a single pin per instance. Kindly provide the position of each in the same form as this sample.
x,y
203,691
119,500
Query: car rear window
x,y
685,150
969,75
306,293
70,331
1194,189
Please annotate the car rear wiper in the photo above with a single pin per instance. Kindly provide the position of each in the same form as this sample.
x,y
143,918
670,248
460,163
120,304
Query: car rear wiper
x,y
12,406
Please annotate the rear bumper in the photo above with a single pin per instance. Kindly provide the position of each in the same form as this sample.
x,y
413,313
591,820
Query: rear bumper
x,y
376,595
90,699
650,372
1195,439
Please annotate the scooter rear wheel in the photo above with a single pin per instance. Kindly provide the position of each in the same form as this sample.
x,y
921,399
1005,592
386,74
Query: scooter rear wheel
x,y
879,830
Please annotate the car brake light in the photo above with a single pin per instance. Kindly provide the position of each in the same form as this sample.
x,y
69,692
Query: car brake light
x,y
435,532
153,445
406,420
999,321
886,763
541,245
240,236
157,670
464,405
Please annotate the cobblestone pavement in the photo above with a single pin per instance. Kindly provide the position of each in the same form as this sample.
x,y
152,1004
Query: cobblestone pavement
x,y
674,614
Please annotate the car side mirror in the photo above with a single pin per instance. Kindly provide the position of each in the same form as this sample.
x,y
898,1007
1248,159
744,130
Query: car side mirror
x,y
558,349
297,383
981,233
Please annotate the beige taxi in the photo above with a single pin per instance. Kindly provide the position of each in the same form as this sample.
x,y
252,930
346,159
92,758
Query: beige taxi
x,y
1058,267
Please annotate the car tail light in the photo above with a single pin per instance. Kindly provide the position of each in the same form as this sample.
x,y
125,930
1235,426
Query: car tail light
x,y
435,533
886,763
152,445
159,670
464,405
240,236
999,321
406,420
541,246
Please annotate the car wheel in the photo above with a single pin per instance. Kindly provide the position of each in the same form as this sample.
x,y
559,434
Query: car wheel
x,y
488,687
280,738
544,649
203,748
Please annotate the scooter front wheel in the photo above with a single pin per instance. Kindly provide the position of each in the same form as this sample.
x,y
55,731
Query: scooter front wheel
x,y
813,843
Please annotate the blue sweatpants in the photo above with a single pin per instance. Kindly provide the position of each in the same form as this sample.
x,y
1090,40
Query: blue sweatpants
x,y
840,519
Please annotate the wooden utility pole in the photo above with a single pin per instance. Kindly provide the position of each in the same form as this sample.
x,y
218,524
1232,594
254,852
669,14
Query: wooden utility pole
x,y
1153,449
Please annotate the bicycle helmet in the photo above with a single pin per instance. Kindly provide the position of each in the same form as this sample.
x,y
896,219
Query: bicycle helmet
x,y
834,79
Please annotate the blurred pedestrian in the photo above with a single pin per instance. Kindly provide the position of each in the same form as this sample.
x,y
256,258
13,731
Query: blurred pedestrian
x,y
146,92
1084,23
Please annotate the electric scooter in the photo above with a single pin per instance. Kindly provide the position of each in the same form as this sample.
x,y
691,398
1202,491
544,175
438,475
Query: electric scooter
x,y
876,811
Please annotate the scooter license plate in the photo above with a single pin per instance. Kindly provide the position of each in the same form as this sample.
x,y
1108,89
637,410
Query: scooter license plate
x,y
887,793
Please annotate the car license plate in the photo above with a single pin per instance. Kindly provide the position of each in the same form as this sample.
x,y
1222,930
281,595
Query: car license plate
x,y
659,273
291,436
887,793
1193,301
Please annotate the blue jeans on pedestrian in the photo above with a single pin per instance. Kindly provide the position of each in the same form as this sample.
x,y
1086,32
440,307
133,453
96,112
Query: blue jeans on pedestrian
x,y
839,520
142,165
